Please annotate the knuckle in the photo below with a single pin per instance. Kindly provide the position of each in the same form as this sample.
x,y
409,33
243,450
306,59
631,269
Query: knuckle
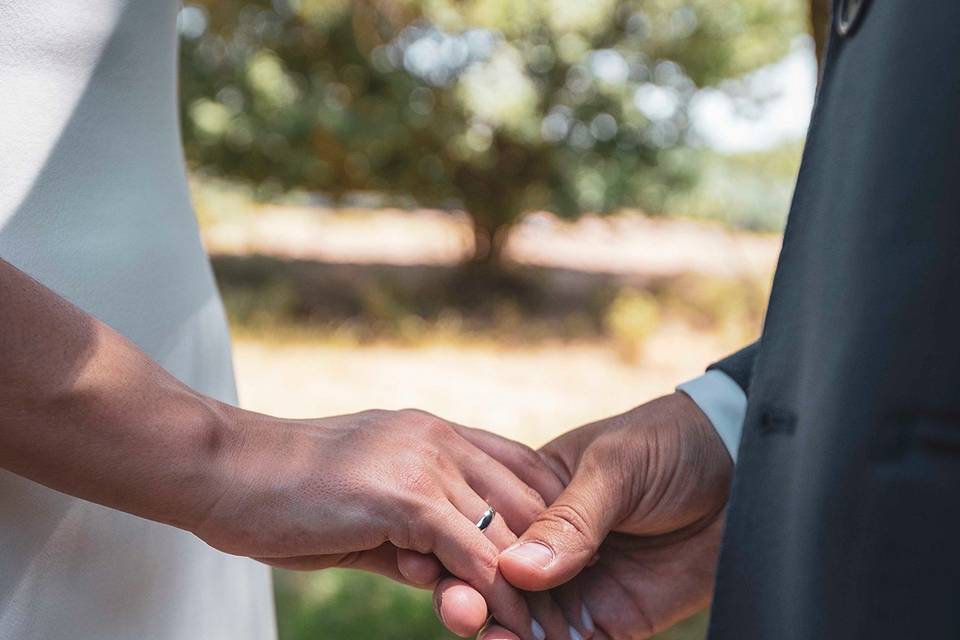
x,y
427,422
571,521
487,564
605,449
524,508
418,534
376,415
420,419
438,429
534,499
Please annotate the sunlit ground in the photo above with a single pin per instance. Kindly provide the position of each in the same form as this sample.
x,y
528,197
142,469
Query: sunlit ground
x,y
530,394
523,377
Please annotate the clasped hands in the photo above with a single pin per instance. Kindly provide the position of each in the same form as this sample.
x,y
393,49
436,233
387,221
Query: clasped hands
x,y
619,521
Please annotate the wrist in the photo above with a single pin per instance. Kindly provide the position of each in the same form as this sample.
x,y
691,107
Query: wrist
x,y
213,455
233,448
705,453
723,402
678,471
187,470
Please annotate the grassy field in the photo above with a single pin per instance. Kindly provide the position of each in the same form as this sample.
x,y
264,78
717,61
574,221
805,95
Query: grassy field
x,y
340,604
335,312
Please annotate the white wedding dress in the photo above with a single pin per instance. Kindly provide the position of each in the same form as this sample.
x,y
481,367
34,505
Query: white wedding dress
x,y
94,204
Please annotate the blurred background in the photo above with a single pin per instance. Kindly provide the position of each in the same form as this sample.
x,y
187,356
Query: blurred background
x,y
521,215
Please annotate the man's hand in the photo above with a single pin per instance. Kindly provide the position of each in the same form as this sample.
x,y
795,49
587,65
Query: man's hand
x,y
630,545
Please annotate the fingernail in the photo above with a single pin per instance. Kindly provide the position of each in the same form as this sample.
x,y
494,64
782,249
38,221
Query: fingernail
x,y
537,630
575,635
532,553
438,606
586,619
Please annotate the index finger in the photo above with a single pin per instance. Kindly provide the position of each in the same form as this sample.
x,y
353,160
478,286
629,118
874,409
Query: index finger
x,y
525,463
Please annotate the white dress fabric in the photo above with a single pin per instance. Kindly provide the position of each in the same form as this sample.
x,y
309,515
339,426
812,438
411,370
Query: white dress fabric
x,y
94,204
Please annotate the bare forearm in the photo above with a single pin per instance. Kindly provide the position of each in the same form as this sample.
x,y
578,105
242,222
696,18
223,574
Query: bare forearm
x,y
84,411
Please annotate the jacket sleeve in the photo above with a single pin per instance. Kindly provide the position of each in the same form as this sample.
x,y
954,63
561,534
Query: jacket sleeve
x,y
739,366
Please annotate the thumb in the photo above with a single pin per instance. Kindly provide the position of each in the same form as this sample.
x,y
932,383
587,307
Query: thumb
x,y
565,537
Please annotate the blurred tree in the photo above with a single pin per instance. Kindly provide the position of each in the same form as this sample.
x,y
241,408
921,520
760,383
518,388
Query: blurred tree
x,y
497,107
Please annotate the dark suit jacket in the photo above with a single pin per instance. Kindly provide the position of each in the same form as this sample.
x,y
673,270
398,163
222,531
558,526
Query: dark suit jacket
x,y
844,520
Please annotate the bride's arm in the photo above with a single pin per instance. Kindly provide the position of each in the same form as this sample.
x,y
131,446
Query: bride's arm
x,y
85,412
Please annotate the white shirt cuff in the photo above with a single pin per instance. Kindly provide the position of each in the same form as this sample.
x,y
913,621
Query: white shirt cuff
x,y
723,402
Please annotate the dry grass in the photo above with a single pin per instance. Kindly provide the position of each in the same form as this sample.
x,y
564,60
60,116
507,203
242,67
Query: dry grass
x,y
530,394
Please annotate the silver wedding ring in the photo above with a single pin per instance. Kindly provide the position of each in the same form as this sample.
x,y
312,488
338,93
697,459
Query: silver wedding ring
x,y
486,518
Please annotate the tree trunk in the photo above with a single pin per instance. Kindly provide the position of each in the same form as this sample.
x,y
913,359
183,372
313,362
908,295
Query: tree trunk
x,y
820,28
489,242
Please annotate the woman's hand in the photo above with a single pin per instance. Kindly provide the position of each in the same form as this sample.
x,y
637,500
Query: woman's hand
x,y
352,490
86,412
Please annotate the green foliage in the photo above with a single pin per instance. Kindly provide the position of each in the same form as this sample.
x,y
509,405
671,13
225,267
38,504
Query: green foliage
x,y
747,191
348,605
496,106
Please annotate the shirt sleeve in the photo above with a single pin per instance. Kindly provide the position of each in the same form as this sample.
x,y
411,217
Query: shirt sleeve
x,y
723,401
